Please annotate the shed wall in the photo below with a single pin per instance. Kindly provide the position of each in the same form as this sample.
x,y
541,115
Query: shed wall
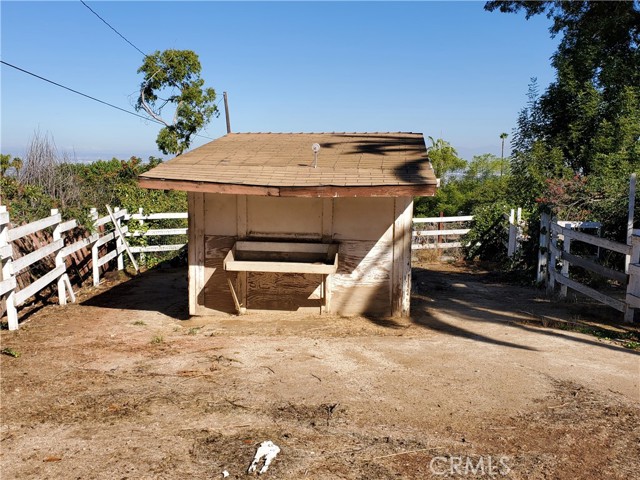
x,y
373,266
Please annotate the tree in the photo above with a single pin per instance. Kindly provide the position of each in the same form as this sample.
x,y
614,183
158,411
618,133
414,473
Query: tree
x,y
175,74
444,158
576,143
503,137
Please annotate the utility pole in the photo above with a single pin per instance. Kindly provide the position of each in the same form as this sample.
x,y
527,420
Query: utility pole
x,y
226,111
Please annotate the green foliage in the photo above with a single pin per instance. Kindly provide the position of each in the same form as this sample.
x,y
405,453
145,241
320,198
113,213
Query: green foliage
x,y
7,162
577,143
480,183
175,74
444,158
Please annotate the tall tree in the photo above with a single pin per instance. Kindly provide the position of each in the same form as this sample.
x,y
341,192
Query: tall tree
x,y
583,131
503,137
175,75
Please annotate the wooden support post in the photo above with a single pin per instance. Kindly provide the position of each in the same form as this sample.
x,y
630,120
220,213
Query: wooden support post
x,y
553,247
633,287
196,252
242,220
401,277
566,248
142,255
511,245
59,259
543,250
632,203
7,273
95,253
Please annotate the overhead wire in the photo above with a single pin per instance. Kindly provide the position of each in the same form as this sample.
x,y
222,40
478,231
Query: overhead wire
x,y
113,28
89,96
144,54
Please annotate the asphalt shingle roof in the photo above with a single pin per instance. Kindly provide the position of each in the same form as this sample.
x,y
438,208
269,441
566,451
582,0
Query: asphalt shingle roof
x,y
282,164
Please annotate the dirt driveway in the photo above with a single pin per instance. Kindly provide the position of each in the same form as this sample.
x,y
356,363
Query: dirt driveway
x,y
122,385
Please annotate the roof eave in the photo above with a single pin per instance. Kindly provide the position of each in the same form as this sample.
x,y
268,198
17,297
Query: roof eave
x,y
426,189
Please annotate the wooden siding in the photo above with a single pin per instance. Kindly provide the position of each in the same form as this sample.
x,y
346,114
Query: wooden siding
x,y
373,274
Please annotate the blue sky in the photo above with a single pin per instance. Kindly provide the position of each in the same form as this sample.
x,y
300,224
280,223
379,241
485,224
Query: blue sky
x,y
446,69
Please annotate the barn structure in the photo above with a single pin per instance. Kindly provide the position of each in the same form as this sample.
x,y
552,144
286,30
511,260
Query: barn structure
x,y
300,221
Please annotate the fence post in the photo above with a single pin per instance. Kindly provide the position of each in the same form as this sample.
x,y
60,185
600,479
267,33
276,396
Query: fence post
x,y
543,250
119,241
7,273
57,235
142,256
633,287
553,248
566,247
94,250
513,233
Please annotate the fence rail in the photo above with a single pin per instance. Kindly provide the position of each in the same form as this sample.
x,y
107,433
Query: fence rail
x,y
553,256
106,244
437,236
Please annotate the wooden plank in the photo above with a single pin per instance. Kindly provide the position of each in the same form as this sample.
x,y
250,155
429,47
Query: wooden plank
x,y
38,285
363,281
633,301
463,218
590,292
68,225
33,227
206,187
31,258
108,257
279,267
401,276
4,218
107,219
157,248
105,239
284,291
591,239
160,216
158,232
79,245
594,267
283,247
196,253
433,233
121,231
6,251
242,221
312,191
7,285
430,246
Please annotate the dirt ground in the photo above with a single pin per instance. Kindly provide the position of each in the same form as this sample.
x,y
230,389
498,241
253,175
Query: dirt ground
x,y
123,385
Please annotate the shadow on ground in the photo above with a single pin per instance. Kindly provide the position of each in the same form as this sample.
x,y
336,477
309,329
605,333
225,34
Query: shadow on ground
x,y
477,297
163,290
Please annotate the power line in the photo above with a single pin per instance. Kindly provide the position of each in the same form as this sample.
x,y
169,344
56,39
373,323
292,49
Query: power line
x,y
89,96
112,28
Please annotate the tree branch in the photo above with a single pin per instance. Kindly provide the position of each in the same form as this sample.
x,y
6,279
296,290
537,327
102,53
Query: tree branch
x,y
149,110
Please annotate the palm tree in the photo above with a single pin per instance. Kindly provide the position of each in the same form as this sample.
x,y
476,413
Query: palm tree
x,y
503,137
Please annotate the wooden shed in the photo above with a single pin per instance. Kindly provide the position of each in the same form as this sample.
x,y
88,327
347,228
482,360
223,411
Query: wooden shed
x,y
276,223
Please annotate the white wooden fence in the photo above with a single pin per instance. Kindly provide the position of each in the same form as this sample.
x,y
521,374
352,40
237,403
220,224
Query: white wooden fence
x,y
435,235
106,244
552,256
